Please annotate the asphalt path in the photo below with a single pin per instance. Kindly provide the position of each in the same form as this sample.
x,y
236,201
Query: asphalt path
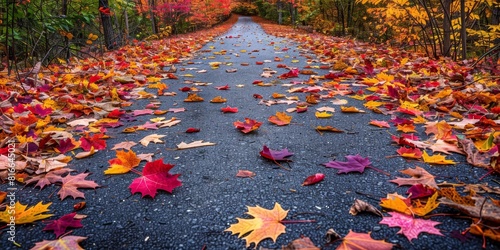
x,y
211,197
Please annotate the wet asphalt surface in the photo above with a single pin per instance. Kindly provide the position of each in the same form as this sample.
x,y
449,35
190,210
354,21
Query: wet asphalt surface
x,y
211,197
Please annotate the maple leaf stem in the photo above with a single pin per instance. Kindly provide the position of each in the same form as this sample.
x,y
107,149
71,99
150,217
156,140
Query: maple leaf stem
x,y
296,221
379,170
281,166
136,171
67,233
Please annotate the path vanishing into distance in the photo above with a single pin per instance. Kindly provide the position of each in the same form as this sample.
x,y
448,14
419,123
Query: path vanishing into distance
x,y
243,66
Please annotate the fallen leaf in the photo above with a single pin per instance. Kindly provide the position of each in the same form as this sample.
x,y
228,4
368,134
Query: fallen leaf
x,y
411,227
329,129
194,144
280,119
85,154
363,206
48,178
351,109
229,110
60,225
151,138
176,110
155,176
326,109
192,130
124,145
313,179
380,124
360,241
63,243
484,208
123,163
71,183
413,153
275,155
354,163
25,216
265,224
245,174
247,126
193,97
218,99
436,159
324,114
397,204
420,190
302,243
419,175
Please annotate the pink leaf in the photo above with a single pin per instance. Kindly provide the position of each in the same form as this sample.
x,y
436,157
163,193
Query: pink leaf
x,y
275,155
411,227
353,163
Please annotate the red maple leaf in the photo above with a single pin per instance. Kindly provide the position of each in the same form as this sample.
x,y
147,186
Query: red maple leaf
x,y
116,113
275,155
247,126
229,110
290,74
95,141
155,176
40,110
65,145
60,225
225,87
420,191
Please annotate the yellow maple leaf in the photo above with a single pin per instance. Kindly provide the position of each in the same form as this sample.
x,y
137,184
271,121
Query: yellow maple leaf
x,y
123,163
324,114
373,104
265,224
397,204
23,215
429,206
419,120
437,159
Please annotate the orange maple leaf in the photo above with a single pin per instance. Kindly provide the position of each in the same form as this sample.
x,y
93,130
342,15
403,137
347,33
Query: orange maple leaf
x,y
265,224
123,163
280,119
355,240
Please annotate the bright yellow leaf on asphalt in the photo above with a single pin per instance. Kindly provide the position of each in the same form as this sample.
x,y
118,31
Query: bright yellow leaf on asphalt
x,y
437,159
23,215
324,114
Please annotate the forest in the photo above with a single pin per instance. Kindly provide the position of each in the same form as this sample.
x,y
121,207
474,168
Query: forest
x,y
53,31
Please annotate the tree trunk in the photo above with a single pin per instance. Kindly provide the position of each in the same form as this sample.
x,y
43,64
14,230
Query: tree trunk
x,y
64,12
107,27
463,29
152,6
280,14
445,50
